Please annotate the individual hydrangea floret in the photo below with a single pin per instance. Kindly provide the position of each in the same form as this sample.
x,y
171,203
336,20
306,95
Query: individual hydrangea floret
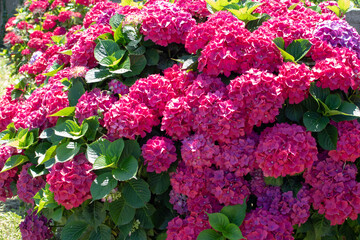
x,y
348,145
165,23
71,181
159,153
35,227
93,103
129,118
285,149
295,80
27,186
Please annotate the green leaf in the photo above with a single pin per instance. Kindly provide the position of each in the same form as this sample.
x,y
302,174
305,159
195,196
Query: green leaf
x,y
333,101
209,234
139,234
105,48
232,232
97,75
255,24
96,149
136,51
53,70
131,148
102,186
138,63
127,169
115,149
144,216
299,48
116,20
73,230
318,92
14,161
35,171
287,57
294,112
104,161
136,193
66,151
159,183
292,7
65,112
16,93
344,5
70,129
311,104
120,212
218,221
279,42
101,232
349,108
316,9
94,213
315,122
67,52
107,61
152,57
93,123
75,91
235,213
58,213
327,138
274,181
335,9
50,153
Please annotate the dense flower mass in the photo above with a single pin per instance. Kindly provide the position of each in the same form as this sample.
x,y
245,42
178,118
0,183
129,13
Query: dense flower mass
x,y
6,178
159,153
35,227
27,186
71,181
285,150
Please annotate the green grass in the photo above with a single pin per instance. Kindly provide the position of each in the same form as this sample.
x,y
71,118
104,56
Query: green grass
x,y
11,214
5,79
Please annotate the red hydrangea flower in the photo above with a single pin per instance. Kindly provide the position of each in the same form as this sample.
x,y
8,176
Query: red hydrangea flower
x,y
9,176
71,181
39,6
59,31
295,80
8,108
348,145
129,118
10,23
50,21
188,228
118,87
96,11
335,192
159,153
285,150
180,79
197,8
73,35
92,103
27,186
258,94
57,3
154,91
67,15
165,23
260,224
179,202
35,227
83,50
11,39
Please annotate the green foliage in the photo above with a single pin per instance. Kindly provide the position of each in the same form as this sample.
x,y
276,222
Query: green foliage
x,y
296,50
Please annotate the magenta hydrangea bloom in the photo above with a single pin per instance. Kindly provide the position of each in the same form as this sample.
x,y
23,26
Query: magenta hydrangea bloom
x,y
335,192
180,79
7,177
197,8
165,23
129,118
198,151
188,228
340,71
258,94
50,21
27,186
285,149
260,224
295,80
35,227
154,91
71,181
159,153
8,108
98,11
92,103
39,6
339,34
118,87
348,145
83,50
179,202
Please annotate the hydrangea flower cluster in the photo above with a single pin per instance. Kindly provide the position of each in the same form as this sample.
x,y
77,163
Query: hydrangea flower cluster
x,y
6,178
35,227
8,108
71,181
165,23
159,153
285,150
335,191
118,87
27,186
93,103
186,229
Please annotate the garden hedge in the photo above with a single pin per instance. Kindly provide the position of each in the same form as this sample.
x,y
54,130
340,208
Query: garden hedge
x,y
188,119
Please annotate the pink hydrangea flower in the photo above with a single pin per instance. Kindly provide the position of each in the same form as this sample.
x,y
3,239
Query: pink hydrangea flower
x,y
28,186
197,8
7,177
35,227
188,228
71,181
118,87
159,153
285,150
